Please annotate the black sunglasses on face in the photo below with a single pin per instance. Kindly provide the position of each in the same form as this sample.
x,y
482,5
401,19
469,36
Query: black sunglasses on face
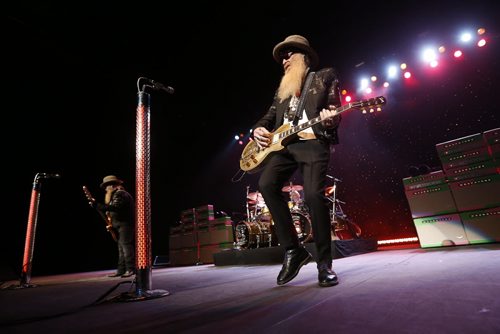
x,y
288,52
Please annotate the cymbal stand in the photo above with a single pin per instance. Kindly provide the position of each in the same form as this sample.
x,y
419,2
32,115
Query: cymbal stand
x,y
336,207
290,191
246,201
338,212
255,212
334,201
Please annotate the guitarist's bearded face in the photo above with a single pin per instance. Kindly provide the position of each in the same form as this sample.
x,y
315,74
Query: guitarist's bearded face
x,y
291,83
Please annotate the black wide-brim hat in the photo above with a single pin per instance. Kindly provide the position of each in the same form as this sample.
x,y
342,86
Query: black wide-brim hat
x,y
297,42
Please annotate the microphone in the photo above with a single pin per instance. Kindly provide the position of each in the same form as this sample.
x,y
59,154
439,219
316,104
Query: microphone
x,y
159,86
49,176
333,178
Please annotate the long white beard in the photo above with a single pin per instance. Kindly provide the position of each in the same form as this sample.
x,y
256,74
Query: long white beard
x,y
291,82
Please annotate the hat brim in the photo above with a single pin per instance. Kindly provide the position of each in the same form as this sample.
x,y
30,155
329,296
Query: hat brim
x,y
313,56
105,184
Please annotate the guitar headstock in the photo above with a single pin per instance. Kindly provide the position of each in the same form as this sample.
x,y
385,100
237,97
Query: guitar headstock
x,y
87,193
370,105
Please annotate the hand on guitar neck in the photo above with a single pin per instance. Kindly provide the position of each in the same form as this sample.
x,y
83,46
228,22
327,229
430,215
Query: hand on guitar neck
x,y
328,119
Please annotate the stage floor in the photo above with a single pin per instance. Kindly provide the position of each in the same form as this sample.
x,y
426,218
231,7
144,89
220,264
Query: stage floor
x,y
441,290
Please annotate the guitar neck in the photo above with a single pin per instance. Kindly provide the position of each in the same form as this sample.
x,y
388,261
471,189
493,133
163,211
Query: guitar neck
x,y
311,122
372,102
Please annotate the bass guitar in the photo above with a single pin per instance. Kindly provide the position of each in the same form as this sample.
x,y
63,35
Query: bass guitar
x,y
105,217
253,156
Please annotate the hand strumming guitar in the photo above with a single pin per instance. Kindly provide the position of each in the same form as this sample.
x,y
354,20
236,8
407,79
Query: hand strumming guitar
x,y
261,137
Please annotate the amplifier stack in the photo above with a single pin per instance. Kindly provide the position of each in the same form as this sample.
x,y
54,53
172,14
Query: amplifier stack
x,y
459,204
199,235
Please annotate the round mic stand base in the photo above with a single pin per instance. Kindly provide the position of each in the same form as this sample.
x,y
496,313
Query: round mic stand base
x,y
143,288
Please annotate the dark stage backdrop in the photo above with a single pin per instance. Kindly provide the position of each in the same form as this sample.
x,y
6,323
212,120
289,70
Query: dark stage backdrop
x,y
70,78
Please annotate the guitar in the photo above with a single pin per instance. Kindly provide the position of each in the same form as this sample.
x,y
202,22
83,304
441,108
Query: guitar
x,y
106,217
253,156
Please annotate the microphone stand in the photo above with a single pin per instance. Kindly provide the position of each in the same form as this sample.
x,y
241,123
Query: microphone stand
x,y
29,243
143,261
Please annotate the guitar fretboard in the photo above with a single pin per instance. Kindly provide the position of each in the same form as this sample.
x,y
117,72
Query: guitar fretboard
x,y
378,101
311,122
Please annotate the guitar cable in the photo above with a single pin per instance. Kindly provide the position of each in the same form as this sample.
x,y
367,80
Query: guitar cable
x,y
99,301
234,179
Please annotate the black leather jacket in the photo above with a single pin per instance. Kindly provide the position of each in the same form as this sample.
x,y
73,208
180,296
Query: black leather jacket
x,y
324,91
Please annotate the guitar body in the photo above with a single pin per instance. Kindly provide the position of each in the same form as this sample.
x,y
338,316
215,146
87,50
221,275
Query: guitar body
x,y
253,157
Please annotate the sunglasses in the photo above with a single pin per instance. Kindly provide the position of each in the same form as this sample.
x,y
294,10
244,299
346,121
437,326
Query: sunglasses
x,y
285,54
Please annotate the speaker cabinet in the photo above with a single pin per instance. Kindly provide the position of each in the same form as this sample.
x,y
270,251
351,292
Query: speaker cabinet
x,y
426,180
461,145
482,226
431,201
465,158
478,193
440,231
483,168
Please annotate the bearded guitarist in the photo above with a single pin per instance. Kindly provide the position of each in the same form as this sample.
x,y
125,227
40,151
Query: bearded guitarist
x,y
301,96
119,207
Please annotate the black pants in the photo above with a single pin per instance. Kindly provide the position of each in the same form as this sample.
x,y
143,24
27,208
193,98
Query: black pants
x,y
126,247
311,157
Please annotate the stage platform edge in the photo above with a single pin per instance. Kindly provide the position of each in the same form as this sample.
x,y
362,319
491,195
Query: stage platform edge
x,y
274,255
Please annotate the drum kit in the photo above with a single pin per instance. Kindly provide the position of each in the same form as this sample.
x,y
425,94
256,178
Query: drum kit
x,y
258,230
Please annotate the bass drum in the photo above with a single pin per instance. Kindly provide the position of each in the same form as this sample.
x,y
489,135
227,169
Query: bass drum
x,y
303,226
246,234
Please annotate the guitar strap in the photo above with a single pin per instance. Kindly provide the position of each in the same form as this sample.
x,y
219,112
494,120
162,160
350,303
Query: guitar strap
x,y
302,100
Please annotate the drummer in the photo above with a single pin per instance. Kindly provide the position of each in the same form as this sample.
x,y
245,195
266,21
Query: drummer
x,y
295,200
257,207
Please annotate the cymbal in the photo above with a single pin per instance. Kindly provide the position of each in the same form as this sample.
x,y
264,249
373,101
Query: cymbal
x,y
255,196
296,187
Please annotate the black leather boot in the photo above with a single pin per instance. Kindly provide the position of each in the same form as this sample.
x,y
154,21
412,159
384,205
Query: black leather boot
x,y
326,276
294,260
